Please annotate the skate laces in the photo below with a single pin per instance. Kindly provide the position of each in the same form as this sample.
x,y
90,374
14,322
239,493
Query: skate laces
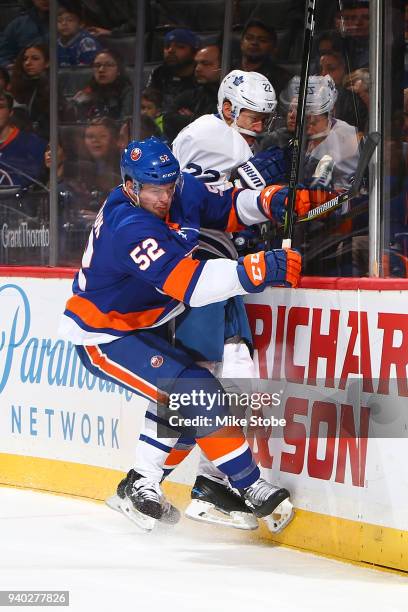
x,y
259,491
148,489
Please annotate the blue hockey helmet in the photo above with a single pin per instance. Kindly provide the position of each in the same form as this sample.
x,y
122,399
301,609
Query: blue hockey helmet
x,y
149,161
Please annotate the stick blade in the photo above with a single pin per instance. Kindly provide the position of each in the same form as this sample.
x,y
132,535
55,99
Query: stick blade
x,y
370,144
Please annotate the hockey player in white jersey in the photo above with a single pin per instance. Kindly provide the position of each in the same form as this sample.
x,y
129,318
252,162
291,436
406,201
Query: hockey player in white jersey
x,y
332,147
209,149
215,149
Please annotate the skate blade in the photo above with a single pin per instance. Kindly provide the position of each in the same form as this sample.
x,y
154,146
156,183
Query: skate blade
x,y
170,517
280,517
124,506
206,512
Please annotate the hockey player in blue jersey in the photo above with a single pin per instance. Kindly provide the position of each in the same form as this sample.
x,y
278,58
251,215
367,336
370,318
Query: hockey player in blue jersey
x,y
137,274
246,106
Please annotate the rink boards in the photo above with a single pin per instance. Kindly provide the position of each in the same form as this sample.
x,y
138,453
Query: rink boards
x,y
337,351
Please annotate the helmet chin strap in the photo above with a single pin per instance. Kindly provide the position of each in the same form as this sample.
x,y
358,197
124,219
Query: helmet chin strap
x,y
319,135
245,131
324,133
135,195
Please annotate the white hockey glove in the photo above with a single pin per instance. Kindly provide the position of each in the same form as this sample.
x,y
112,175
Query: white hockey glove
x,y
322,176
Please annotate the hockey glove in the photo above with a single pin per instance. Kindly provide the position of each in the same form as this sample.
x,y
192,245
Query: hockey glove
x,y
273,200
277,268
265,168
323,175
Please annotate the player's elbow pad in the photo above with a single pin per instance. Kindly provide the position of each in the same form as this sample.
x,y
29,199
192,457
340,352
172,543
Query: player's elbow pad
x,y
277,268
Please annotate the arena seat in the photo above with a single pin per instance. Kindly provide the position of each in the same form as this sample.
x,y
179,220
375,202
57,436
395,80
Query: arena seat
x,y
72,79
125,46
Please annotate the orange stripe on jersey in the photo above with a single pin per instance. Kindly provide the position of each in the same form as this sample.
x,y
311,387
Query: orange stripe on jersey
x,y
13,134
180,277
221,442
234,225
92,316
121,374
176,456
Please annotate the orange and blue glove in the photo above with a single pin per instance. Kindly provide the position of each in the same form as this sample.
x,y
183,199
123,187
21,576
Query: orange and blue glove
x,y
277,268
273,201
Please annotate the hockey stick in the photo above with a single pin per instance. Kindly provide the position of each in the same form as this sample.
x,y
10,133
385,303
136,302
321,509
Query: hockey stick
x,y
370,143
299,128
367,151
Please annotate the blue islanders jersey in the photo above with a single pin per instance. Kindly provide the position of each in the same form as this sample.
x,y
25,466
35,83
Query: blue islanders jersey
x,y
138,271
79,50
22,151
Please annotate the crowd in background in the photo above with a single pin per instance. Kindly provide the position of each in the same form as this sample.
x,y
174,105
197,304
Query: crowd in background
x,y
182,72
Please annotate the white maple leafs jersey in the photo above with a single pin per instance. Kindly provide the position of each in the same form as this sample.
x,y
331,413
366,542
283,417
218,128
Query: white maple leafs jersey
x,y
210,150
342,145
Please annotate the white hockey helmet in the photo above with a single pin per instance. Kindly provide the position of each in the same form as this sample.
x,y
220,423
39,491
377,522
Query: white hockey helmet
x,y
246,90
321,94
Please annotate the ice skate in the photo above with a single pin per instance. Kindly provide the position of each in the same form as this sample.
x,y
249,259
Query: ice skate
x,y
142,501
217,503
266,500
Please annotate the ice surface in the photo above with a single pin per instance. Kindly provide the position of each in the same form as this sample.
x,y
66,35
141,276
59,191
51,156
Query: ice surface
x,y
54,542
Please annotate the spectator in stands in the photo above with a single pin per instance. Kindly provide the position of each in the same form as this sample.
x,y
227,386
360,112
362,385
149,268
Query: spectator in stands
x,y
66,188
329,40
148,127
107,18
73,227
358,82
31,90
349,107
76,46
151,106
99,158
176,74
60,160
203,99
355,19
4,78
28,28
108,94
258,49
21,153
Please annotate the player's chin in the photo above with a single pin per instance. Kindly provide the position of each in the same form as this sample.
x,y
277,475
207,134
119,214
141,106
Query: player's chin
x,y
249,139
161,211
